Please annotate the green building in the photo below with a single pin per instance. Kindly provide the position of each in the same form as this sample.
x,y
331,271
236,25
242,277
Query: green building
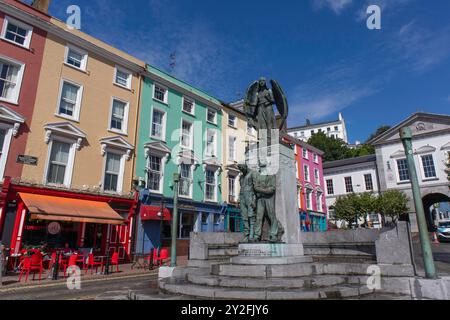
x,y
180,130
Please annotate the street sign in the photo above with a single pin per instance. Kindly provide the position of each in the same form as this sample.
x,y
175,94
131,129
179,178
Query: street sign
x,y
27,160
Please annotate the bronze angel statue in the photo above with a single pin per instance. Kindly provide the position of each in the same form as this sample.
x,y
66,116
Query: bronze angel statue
x,y
258,106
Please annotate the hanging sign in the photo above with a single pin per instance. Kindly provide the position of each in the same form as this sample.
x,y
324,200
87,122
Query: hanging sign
x,y
54,228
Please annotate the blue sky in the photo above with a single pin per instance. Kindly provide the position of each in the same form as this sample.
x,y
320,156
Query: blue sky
x,y
319,50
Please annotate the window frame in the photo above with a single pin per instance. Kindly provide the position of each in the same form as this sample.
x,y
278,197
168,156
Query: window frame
x,y
214,172
422,168
215,144
232,156
208,110
330,186
164,122
192,113
161,173
166,95
191,185
306,173
70,162
308,198
371,182
79,51
316,176
121,170
77,107
191,137
6,21
124,130
234,178
6,146
398,171
20,74
305,153
129,79
346,185
234,125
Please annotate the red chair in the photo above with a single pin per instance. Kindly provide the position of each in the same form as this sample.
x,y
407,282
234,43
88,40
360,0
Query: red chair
x,y
164,255
52,262
32,264
72,262
92,263
115,260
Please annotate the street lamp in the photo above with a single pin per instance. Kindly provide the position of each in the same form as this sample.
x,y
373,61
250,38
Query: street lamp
x,y
173,255
430,271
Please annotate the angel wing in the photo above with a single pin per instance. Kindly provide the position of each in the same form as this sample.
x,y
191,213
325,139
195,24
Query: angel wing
x,y
250,102
280,101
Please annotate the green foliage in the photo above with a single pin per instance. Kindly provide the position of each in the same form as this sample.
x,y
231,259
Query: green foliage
x,y
379,131
354,206
392,204
337,149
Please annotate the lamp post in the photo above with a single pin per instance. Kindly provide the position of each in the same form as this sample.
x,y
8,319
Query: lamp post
x,y
161,215
430,271
173,254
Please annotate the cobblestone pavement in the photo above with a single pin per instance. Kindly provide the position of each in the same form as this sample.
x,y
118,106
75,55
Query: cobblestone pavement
x,y
115,288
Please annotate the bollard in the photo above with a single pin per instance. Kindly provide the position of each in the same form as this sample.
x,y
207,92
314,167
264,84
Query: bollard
x,y
56,266
107,263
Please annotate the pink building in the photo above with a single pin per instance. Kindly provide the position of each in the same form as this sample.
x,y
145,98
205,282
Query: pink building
x,y
310,185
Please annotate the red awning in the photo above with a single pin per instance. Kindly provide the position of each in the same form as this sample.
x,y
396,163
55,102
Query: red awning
x,y
151,213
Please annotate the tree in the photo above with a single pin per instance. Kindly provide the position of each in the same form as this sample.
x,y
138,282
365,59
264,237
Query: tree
x,y
346,208
366,204
392,204
379,131
334,149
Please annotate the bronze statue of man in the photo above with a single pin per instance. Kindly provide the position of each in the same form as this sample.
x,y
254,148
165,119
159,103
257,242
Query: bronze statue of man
x,y
247,202
265,187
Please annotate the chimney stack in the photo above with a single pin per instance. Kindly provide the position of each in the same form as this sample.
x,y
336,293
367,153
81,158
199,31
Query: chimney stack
x,y
41,5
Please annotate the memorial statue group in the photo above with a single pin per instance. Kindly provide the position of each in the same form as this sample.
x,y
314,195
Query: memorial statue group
x,y
258,187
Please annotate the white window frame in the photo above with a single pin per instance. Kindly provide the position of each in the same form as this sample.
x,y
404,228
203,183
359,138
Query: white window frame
x,y
309,193
193,105
7,20
76,111
191,140
317,176
332,187
129,79
351,184
234,124
214,134
161,176
5,150
215,185
155,84
123,156
305,153
164,121
319,202
79,51
191,188
21,66
422,169
371,181
316,158
307,177
215,116
236,195
397,172
232,156
70,162
124,130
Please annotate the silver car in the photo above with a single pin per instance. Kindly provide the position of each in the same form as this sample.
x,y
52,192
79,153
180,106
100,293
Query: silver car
x,y
444,231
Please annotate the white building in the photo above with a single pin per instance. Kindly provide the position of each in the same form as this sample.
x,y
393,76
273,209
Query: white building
x,y
334,129
354,175
431,146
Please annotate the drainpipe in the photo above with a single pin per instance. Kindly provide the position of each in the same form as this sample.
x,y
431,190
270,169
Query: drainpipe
x,y
430,271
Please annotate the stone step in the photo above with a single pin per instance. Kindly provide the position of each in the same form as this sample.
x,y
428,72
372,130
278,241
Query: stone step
x,y
251,283
336,292
307,269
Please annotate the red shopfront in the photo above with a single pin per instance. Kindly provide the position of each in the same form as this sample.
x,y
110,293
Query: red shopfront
x,y
30,215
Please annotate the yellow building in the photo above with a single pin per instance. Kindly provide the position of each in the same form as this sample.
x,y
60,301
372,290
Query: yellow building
x,y
236,136
84,123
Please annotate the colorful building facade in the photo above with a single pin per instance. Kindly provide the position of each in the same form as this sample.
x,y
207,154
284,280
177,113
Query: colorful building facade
x,y
180,131
80,145
310,185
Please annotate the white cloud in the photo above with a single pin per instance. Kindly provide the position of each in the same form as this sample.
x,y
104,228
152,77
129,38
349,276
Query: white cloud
x,y
336,5
387,7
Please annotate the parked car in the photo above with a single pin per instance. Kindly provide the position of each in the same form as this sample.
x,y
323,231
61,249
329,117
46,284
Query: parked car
x,y
444,231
